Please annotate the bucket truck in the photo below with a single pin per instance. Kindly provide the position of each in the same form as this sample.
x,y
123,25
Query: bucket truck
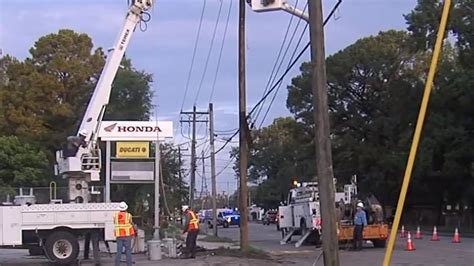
x,y
301,215
55,228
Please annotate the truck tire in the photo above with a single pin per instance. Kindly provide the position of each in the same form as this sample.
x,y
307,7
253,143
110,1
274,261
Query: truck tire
x,y
62,247
379,243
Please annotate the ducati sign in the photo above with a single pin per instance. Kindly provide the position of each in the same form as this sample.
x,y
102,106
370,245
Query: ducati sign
x,y
136,130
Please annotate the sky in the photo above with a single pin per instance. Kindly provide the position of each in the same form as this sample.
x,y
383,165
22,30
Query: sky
x,y
166,48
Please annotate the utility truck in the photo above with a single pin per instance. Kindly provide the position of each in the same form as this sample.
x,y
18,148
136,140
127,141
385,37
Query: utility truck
x,y
55,228
301,215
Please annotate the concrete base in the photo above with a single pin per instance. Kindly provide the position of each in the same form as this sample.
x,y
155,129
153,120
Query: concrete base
x,y
154,250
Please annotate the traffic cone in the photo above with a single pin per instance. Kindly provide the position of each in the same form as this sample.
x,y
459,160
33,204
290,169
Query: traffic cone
x,y
435,236
402,232
418,233
410,245
456,238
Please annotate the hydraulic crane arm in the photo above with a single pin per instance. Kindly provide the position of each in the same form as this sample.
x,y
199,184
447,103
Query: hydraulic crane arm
x,y
83,163
100,98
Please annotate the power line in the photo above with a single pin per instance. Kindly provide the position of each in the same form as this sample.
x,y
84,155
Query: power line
x,y
220,52
194,54
274,73
209,53
281,77
291,58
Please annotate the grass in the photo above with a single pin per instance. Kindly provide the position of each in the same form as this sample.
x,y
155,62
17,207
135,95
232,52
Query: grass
x,y
217,239
252,253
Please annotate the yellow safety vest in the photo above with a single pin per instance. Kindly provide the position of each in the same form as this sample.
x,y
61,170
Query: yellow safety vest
x,y
194,222
123,227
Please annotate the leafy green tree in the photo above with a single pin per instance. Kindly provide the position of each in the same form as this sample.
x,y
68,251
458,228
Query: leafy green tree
x,y
46,95
374,88
131,94
279,153
43,98
450,128
21,165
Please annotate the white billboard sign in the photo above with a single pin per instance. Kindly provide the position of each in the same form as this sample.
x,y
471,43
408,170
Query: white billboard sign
x,y
135,130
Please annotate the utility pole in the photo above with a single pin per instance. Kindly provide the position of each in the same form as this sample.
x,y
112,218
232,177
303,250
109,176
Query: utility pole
x,y
180,173
193,162
213,169
193,152
243,144
323,143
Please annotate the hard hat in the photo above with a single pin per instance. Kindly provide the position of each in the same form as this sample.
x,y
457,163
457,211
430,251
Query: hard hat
x,y
360,204
83,132
123,206
184,207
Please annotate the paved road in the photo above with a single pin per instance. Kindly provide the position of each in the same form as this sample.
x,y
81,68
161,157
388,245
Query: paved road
x,y
442,253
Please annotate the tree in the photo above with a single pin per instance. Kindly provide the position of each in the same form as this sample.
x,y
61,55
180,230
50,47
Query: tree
x,y
279,153
451,127
21,165
131,94
43,98
374,87
47,94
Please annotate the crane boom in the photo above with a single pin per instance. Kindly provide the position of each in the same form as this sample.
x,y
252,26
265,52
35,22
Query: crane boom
x,y
83,164
100,98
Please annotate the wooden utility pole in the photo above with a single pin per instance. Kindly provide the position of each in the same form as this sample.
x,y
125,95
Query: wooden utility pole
x,y
323,143
193,151
213,169
243,148
193,162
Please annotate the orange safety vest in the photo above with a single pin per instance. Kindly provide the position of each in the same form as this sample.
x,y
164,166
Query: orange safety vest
x,y
194,222
123,227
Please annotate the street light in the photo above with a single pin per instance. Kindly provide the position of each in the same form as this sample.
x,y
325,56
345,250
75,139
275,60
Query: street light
x,y
274,5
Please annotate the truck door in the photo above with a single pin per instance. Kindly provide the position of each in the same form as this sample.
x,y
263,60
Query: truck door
x,y
285,216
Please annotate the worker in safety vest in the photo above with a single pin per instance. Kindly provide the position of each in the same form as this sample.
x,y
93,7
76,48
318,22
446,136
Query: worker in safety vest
x,y
124,232
191,226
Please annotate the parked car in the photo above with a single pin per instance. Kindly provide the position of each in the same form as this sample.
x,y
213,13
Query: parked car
x,y
270,217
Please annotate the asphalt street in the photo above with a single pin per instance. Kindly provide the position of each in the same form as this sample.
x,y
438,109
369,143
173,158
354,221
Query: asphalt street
x,y
436,253
441,253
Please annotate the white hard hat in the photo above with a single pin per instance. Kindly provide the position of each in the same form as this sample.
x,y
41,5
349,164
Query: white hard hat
x,y
184,207
360,204
123,206
83,132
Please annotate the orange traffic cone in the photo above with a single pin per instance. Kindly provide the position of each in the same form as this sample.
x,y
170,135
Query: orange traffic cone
x,y
418,233
456,238
435,236
410,245
402,232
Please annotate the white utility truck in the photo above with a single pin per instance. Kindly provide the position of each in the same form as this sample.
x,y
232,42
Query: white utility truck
x,y
55,227
302,215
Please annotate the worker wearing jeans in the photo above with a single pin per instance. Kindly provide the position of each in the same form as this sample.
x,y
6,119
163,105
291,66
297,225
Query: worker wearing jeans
x,y
360,220
124,232
191,227
124,242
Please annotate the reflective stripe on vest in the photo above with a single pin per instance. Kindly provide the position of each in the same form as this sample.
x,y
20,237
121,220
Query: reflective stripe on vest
x,y
194,222
123,227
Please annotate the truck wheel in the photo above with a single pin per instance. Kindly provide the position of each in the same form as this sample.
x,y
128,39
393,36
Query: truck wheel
x,y
62,247
379,243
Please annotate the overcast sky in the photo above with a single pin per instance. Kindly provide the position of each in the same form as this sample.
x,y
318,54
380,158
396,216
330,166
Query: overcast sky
x,y
165,49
